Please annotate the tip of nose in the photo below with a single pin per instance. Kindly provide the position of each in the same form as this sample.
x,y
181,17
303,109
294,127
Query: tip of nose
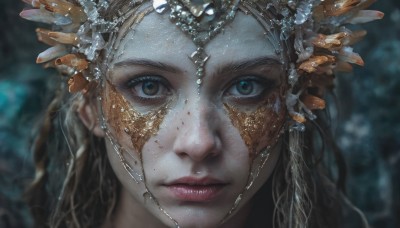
x,y
197,147
198,138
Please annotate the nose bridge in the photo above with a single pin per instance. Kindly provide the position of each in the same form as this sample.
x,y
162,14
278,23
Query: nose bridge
x,y
198,113
198,137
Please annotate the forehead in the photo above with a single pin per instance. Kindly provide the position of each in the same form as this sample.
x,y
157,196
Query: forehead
x,y
158,39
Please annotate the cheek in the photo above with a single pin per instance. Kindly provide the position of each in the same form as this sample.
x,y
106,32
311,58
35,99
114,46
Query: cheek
x,y
261,127
125,121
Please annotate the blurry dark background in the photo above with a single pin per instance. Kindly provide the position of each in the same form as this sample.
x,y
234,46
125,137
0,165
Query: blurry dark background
x,y
368,129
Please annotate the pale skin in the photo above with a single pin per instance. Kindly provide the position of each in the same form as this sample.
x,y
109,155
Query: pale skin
x,y
197,137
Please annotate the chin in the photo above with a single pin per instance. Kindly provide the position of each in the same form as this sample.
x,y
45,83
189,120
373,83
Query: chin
x,y
195,216
199,223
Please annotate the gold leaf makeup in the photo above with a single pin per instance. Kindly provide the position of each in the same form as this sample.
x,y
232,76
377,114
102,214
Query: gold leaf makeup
x,y
123,119
263,123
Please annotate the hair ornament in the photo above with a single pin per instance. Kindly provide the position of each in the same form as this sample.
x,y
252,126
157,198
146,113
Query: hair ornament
x,y
316,28
76,37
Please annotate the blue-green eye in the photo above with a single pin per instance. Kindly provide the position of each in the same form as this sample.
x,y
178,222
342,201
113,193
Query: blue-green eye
x,y
244,87
150,88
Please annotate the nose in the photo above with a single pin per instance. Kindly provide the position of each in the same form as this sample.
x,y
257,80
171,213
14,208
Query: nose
x,y
198,137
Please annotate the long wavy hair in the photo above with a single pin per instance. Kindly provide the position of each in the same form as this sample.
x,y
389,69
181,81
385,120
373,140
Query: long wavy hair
x,y
75,186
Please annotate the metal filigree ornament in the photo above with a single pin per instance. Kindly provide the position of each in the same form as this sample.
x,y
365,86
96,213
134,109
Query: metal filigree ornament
x,y
315,30
201,20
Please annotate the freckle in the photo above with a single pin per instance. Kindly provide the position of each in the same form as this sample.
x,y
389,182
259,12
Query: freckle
x,y
177,128
183,123
135,162
156,141
188,113
186,101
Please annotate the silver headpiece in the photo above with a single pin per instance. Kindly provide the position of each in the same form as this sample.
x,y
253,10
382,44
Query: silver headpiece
x,y
315,28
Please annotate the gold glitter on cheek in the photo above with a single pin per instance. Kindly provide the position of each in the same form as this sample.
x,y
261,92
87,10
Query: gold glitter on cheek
x,y
125,120
264,123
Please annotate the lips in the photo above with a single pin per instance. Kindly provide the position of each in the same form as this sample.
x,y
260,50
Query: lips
x,y
190,189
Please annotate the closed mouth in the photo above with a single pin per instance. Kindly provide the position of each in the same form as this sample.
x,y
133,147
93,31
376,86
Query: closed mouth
x,y
191,189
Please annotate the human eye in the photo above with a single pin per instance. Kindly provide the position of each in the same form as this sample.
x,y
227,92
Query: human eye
x,y
148,90
248,89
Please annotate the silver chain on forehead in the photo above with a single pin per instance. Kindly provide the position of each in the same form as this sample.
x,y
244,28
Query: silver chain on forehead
x,y
201,20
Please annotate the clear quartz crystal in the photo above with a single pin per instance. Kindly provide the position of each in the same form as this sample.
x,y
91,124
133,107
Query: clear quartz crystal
x,y
104,4
303,12
293,76
98,43
90,53
82,32
297,127
90,33
97,73
286,28
61,20
90,9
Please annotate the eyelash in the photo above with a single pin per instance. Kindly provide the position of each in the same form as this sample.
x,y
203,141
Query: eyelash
x,y
266,86
162,84
261,83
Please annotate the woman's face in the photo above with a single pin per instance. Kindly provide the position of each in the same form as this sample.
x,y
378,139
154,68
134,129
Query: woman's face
x,y
188,153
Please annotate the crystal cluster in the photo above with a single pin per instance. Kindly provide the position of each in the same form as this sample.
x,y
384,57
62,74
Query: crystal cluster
x,y
316,28
323,46
77,40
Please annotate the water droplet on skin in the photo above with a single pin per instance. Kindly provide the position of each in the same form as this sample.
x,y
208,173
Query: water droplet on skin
x,y
147,196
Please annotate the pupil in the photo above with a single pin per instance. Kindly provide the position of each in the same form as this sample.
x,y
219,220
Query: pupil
x,y
244,87
150,88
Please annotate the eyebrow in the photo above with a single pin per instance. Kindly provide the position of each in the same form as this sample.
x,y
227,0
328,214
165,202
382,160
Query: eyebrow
x,y
147,63
225,69
248,65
